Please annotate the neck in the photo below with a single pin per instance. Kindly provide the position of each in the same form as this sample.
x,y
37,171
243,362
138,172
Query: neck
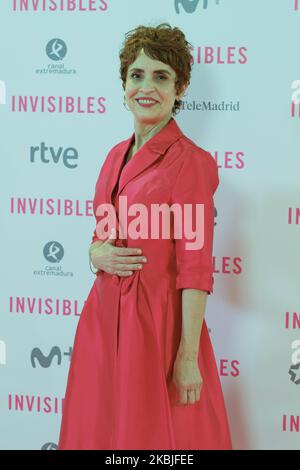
x,y
144,132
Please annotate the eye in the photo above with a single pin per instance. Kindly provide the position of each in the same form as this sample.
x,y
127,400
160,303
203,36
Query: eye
x,y
134,73
137,75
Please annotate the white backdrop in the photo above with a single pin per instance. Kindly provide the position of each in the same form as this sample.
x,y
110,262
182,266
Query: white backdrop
x,y
246,56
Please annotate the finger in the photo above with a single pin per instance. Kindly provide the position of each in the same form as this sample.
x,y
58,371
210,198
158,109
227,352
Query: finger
x,y
127,267
131,259
183,399
124,251
124,273
191,397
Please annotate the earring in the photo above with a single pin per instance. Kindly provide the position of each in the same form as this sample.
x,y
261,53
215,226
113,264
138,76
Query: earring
x,y
124,103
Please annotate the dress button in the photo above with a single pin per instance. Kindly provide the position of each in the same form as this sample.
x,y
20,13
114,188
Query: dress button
x,y
115,279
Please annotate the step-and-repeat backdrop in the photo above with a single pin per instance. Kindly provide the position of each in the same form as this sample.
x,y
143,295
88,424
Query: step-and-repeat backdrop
x,y
61,111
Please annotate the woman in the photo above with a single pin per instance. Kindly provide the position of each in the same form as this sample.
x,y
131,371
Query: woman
x,y
143,373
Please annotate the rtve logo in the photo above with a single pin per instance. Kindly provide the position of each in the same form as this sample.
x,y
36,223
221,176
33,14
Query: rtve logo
x,y
191,5
45,361
2,92
295,106
56,49
53,252
45,154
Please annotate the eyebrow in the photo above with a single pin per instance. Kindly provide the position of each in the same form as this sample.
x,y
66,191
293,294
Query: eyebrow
x,y
155,71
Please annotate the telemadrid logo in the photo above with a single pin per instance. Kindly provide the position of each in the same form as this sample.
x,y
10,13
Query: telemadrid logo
x,y
191,5
56,49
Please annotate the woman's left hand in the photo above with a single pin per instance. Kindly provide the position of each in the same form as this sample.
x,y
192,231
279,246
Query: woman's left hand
x,y
187,379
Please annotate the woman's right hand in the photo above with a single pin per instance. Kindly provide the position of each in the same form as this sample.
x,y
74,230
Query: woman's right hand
x,y
116,260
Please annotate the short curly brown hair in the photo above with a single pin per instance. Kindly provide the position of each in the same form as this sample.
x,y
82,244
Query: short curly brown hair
x,y
163,43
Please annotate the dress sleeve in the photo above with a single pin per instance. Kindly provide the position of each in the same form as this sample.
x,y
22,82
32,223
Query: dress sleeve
x,y
196,183
101,180
94,237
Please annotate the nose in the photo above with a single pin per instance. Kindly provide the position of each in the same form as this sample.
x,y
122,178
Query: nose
x,y
147,85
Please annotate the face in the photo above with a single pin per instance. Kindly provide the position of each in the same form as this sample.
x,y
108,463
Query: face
x,y
155,82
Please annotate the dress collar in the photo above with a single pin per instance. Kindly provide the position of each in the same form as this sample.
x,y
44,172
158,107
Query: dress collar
x,y
145,156
160,141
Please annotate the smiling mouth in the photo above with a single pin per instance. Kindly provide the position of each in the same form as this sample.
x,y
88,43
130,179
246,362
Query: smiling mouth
x,y
146,103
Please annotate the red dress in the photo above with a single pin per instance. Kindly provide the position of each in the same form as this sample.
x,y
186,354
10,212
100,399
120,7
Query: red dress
x,y
120,393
